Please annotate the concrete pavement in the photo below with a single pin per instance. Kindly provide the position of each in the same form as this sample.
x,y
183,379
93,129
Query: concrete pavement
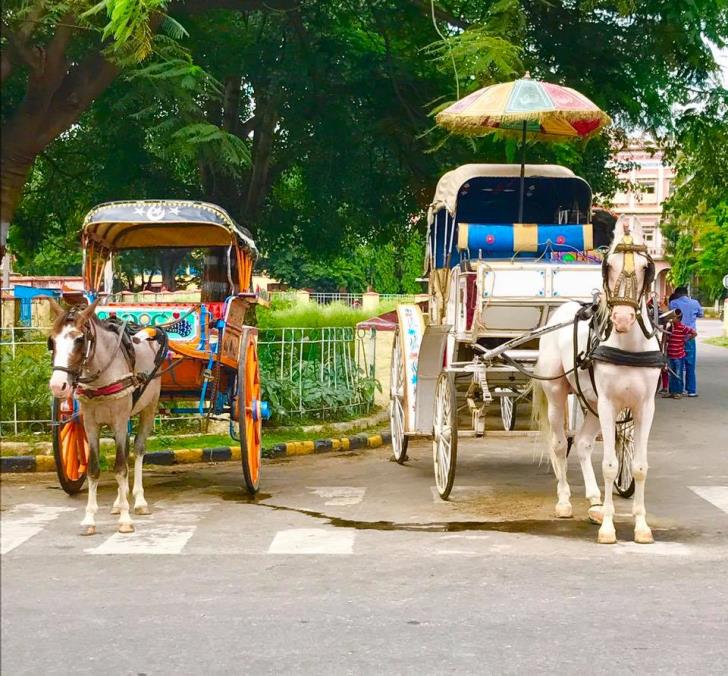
x,y
349,564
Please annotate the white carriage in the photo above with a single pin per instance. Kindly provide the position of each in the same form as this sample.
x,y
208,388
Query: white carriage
x,y
493,286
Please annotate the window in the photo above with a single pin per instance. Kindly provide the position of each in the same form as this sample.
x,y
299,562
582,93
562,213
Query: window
x,y
647,191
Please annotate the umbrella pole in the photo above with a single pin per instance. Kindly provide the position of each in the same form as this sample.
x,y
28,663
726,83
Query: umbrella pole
x,y
523,173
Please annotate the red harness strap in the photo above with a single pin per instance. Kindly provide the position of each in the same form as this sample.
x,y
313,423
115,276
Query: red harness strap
x,y
107,390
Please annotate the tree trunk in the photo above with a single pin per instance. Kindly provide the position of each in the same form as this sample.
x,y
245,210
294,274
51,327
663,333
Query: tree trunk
x,y
169,260
266,119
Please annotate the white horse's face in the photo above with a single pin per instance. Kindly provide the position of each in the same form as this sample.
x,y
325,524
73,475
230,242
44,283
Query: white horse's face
x,y
67,356
625,278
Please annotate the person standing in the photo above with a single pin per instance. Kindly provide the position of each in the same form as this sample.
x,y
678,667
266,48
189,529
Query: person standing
x,y
679,335
691,310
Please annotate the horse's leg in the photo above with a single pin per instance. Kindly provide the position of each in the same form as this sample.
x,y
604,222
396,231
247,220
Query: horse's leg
x,y
121,471
556,394
607,416
643,424
584,444
94,471
146,422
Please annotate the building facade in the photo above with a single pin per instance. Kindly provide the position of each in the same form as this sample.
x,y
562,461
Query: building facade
x,y
652,182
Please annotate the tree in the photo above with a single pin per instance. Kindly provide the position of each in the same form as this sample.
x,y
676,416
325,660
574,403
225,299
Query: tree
x,y
696,215
313,125
57,58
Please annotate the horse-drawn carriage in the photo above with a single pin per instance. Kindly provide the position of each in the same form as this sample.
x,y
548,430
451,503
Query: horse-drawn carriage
x,y
212,355
494,284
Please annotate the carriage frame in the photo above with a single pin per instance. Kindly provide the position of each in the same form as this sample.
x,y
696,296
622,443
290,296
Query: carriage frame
x,y
493,285
213,353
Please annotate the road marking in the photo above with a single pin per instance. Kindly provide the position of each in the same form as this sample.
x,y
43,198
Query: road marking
x,y
336,496
32,520
715,495
312,541
167,531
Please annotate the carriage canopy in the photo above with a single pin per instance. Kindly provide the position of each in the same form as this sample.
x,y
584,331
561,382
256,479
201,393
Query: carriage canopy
x,y
163,224
474,213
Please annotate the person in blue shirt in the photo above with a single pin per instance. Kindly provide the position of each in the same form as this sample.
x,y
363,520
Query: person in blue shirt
x,y
691,311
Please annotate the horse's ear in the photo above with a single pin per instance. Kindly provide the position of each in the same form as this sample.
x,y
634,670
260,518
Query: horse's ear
x,y
88,312
56,308
636,230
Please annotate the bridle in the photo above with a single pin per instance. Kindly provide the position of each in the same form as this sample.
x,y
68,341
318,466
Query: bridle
x,y
88,332
626,290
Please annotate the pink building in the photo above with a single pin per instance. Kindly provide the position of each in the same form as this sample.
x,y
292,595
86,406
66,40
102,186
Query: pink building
x,y
652,183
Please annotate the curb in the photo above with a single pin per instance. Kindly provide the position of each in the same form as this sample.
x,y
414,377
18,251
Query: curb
x,y
46,463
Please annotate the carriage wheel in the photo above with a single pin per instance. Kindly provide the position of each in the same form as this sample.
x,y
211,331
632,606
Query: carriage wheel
x,y
70,446
396,402
445,434
249,413
509,411
624,442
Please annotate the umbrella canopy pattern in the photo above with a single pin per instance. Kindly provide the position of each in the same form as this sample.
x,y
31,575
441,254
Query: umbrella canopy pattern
x,y
551,112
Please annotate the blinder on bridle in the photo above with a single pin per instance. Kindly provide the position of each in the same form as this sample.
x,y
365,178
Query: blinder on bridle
x,y
85,341
625,290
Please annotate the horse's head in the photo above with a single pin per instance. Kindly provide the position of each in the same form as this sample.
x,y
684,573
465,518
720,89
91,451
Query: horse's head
x,y
628,271
69,343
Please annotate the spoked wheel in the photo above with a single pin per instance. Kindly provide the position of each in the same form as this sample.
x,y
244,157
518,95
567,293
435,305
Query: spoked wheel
x,y
509,410
396,402
624,442
249,412
445,434
70,446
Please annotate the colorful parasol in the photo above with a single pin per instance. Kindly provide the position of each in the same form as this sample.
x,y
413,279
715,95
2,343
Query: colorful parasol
x,y
550,112
525,108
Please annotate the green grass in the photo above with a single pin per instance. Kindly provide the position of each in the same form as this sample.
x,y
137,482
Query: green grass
x,y
288,314
720,342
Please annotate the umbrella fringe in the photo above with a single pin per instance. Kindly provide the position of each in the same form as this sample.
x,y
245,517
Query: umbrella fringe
x,y
464,119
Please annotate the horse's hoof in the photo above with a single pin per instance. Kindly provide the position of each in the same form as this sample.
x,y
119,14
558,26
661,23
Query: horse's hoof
x,y
595,514
607,537
115,510
88,530
644,537
126,527
563,511
142,510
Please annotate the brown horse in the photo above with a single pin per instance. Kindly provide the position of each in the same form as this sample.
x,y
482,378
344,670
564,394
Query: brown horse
x,y
113,379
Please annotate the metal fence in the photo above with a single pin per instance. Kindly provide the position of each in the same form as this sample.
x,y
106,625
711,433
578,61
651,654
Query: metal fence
x,y
306,374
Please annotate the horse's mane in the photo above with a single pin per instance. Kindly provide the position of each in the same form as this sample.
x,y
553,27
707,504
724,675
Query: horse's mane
x,y
70,316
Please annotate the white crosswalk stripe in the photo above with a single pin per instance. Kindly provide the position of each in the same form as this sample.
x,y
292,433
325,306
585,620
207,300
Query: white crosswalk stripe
x,y
715,495
24,521
166,531
313,541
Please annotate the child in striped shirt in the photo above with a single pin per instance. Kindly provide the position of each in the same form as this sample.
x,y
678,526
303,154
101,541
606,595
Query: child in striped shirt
x,y
679,335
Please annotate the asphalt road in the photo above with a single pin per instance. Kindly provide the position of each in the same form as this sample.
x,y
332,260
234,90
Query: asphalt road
x,y
347,564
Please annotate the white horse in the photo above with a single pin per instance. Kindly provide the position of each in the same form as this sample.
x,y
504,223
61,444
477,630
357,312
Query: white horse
x,y
626,367
89,363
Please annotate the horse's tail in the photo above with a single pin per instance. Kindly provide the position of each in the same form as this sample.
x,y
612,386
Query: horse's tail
x,y
540,415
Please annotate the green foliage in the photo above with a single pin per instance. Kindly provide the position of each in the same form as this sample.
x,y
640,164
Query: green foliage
x,y
287,314
317,387
24,382
696,215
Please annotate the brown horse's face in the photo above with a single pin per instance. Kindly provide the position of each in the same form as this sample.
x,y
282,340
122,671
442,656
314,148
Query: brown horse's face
x,y
68,342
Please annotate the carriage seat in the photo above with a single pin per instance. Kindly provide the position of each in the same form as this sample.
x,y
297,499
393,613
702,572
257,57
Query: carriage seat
x,y
525,239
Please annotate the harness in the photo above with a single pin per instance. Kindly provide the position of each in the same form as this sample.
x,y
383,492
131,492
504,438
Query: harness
x,y
125,343
625,292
